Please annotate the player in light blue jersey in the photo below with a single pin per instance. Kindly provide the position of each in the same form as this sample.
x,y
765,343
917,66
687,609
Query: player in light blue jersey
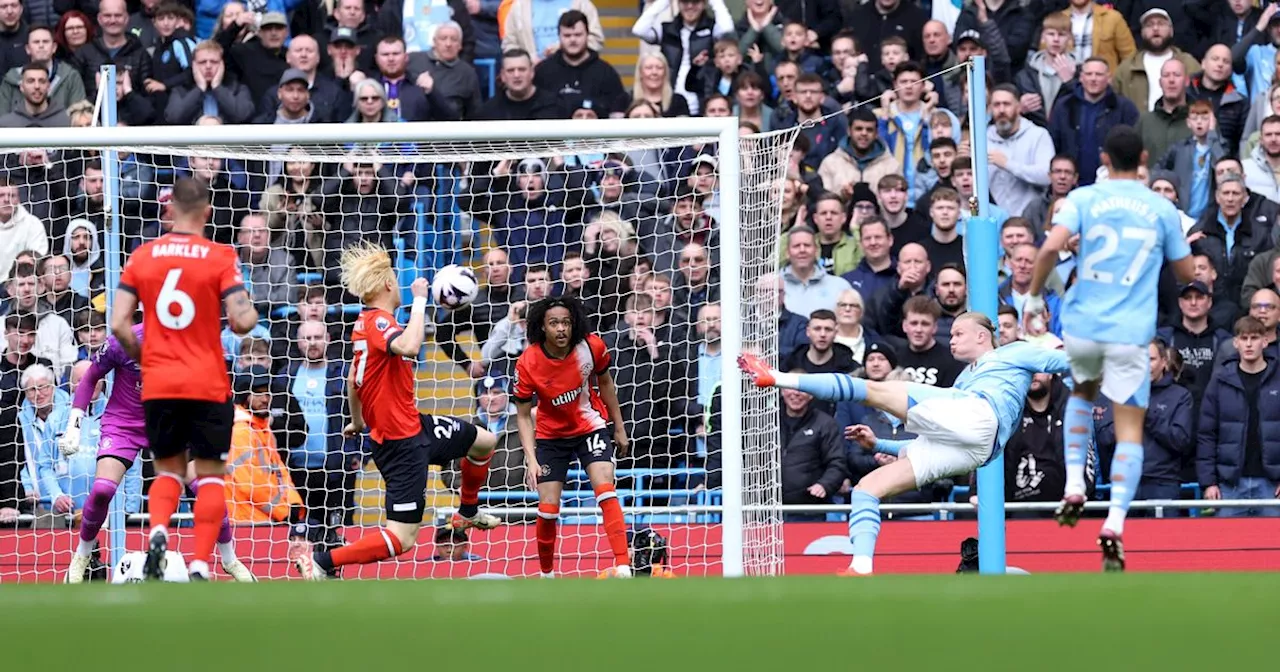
x,y
1126,231
958,429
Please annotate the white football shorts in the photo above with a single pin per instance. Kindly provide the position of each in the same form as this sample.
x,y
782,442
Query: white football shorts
x,y
955,435
1125,369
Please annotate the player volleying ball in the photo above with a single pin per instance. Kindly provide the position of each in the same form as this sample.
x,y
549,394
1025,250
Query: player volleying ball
x,y
405,442
958,429
123,436
1109,318
566,367
184,281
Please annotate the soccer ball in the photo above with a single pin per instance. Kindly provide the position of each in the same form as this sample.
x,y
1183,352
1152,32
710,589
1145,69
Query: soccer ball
x,y
454,287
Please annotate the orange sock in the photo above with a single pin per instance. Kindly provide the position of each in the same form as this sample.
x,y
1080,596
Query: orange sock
x,y
367,549
474,474
210,508
163,498
548,515
615,527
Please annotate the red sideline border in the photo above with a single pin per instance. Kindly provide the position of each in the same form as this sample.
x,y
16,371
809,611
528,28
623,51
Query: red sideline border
x,y
1187,544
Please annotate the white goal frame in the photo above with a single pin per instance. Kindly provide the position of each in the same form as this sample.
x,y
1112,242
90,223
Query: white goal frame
x,y
722,130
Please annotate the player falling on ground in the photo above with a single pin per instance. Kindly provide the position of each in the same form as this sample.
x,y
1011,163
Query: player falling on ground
x,y
958,429
184,280
405,442
124,434
1109,318
566,367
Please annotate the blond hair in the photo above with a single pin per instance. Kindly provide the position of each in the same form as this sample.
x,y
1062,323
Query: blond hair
x,y
366,270
637,89
983,321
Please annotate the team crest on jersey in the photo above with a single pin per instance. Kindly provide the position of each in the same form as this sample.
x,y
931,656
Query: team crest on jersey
x,y
106,443
381,324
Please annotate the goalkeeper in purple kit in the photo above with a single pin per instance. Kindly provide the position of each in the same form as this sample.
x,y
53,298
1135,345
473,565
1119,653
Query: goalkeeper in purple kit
x,y
124,435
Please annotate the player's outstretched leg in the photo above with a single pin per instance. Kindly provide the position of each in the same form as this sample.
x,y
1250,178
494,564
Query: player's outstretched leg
x,y
209,511
163,498
864,514
894,397
475,472
95,514
390,541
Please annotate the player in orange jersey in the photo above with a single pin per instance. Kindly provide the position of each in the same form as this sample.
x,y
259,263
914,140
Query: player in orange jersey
x,y
405,442
184,281
567,369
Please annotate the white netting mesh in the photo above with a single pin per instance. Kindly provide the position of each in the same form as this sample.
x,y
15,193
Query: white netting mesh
x,y
632,226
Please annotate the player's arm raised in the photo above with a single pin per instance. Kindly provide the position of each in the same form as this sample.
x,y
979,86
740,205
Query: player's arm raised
x,y
242,317
408,342
609,393
126,304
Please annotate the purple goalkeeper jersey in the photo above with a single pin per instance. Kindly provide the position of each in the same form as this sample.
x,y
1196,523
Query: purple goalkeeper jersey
x,y
123,424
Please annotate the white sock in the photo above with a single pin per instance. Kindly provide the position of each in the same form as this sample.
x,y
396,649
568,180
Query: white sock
x,y
162,529
787,380
1115,520
861,564
85,549
198,567
227,552
548,575
1075,482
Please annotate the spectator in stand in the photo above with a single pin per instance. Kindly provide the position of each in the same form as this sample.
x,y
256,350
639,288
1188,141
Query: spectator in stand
x,y
771,295
1263,273
209,91
74,30
19,229
1165,125
962,180
259,489
1035,463
35,109
952,292
838,251
1237,454
1084,114
985,40
654,386
925,359
1014,291
825,133
860,157
1049,73
368,30
822,354
1255,54
172,53
697,286
808,286
114,45
1168,185
671,320
371,105
508,338
871,84
536,32
760,32
330,100
1019,152
653,85
345,53
686,42
1099,30
849,329
1231,237
1264,306
576,73
749,97
453,76
496,413
91,333
65,85
406,99
56,293
942,156
1259,109
1007,324
1230,107
1191,160
945,245
877,269
1135,75
256,54
1014,232
728,65
1261,164
13,34
813,456
294,107
268,273
493,301
18,356
323,467
523,204
1064,176
879,19
938,58
913,275
520,99
904,115
62,484
84,254
1195,336
363,202
794,40
1014,20
686,223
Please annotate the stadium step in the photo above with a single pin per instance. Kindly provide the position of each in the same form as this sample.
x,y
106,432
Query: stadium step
x,y
621,49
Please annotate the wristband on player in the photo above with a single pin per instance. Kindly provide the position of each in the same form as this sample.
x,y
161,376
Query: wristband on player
x,y
419,306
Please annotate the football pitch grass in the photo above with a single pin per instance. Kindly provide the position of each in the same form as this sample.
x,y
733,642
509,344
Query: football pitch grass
x,y
965,623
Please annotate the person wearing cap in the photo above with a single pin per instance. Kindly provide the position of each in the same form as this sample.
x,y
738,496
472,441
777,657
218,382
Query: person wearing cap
x,y
330,100
495,412
1083,116
576,73
368,30
1013,20
114,45
1195,335
259,488
210,90
259,60
1136,77
1254,56
985,40
1099,30
294,101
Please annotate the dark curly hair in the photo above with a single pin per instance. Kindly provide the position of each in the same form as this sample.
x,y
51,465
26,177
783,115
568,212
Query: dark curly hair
x,y
577,313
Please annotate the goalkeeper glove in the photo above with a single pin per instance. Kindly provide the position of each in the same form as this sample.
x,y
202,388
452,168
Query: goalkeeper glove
x,y
69,442
1034,305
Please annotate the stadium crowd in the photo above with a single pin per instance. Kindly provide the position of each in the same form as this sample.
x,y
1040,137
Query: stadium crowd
x,y
874,208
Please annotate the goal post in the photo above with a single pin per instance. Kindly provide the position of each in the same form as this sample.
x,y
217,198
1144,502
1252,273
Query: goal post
x,y
737,526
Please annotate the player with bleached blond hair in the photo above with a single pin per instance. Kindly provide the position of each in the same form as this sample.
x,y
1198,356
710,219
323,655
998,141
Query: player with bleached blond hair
x,y
405,442
958,429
